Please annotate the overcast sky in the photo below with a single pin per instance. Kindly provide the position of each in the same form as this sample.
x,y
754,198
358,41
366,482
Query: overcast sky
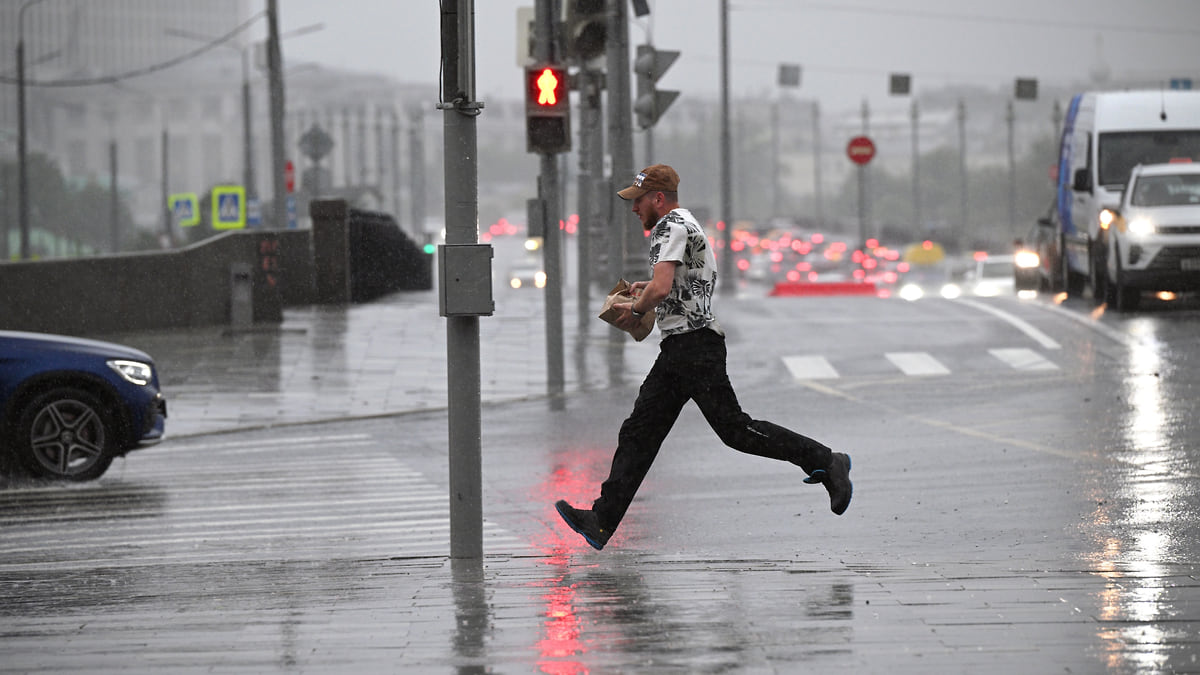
x,y
845,48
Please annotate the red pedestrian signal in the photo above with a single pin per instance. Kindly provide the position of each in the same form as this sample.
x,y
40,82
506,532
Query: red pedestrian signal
x,y
547,84
547,109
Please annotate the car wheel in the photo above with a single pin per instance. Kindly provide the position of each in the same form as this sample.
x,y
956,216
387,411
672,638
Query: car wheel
x,y
1071,282
64,435
1126,298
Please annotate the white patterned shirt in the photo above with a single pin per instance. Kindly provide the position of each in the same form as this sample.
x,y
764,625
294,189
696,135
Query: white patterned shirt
x,y
678,237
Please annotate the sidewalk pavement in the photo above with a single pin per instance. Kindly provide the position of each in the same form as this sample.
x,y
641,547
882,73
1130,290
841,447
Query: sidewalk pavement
x,y
725,565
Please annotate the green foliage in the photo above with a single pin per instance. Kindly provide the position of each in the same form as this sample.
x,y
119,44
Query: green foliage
x,y
64,220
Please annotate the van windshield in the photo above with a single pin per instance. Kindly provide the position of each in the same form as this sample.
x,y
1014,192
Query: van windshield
x,y
1121,151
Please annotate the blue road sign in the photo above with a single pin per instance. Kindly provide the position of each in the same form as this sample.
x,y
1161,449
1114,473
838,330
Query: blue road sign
x,y
228,207
253,212
184,208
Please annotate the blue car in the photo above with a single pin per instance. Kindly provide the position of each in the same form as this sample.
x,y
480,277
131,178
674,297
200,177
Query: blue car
x,y
68,406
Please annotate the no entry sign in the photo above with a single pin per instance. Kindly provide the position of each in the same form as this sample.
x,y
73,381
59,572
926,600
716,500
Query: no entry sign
x,y
860,149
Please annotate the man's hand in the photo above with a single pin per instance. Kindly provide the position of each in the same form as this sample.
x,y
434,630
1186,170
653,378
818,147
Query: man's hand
x,y
625,320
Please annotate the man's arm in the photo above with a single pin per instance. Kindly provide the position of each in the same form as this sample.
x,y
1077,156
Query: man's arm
x,y
652,293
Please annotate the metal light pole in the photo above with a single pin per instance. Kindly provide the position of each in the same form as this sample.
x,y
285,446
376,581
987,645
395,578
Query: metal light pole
x,y
726,263
22,137
916,165
278,155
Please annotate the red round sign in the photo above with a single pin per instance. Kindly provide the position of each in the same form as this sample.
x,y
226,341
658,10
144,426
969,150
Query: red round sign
x,y
289,176
860,149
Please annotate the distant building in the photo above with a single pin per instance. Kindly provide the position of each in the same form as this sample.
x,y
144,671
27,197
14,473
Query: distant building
x,y
129,72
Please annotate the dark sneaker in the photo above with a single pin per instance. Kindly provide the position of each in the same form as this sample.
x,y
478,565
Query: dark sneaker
x,y
836,480
583,522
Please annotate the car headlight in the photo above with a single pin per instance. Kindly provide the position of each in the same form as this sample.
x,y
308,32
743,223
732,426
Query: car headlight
x,y
1026,259
1140,226
951,291
539,279
133,371
911,292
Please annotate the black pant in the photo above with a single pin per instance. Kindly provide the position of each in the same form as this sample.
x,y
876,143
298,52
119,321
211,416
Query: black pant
x,y
691,366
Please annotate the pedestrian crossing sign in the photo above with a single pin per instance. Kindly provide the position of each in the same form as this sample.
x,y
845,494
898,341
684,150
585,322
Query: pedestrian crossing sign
x,y
184,208
229,207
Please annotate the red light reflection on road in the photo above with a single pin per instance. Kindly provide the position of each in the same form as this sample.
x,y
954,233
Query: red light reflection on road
x,y
561,649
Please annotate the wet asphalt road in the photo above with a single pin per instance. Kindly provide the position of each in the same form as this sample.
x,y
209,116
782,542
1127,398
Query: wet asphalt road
x,y
1026,501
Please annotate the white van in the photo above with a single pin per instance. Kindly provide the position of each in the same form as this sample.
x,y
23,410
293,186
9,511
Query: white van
x,y
1104,136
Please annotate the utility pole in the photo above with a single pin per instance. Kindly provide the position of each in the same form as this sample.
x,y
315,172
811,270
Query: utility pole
x,y
114,199
726,262
167,215
461,159
1011,118
816,144
863,181
626,247
275,85
916,165
416,170
546,52
591,169
962,170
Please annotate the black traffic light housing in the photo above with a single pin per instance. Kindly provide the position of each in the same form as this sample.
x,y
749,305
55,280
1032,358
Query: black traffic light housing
x,y
547,109
587,28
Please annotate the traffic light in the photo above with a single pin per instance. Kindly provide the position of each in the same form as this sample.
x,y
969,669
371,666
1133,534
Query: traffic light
x,y
649,66
547,109
587,28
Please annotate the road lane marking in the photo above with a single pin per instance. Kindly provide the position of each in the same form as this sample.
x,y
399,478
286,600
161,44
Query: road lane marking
x,y
1020,324
810,368
1023,359
917,363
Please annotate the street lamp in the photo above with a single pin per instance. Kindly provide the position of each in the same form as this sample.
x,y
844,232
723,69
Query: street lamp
x,y
22,140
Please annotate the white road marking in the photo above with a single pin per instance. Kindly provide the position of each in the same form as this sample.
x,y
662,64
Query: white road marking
x,y
917,363
1023,359
1020,324
810,367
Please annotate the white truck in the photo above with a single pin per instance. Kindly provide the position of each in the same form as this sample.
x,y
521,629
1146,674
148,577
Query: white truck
x,y
1104,136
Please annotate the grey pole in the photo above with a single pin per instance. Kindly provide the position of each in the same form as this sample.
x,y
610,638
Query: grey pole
x,y
275,84
395,161
630,260
962,170
22,141
916,165
462,227
167,229
114,208
775,155
862,181
347,151
726,263
380,148
591,165
548,189
1010,118
816,143
247,133
416,169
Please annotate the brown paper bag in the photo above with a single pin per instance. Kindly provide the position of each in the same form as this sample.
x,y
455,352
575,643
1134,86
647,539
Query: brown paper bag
x,y
620,293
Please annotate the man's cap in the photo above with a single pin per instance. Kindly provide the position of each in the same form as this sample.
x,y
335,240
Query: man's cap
x,y
657,178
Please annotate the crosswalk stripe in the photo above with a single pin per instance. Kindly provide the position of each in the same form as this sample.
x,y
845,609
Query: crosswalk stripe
x,y
810,367
917,363
1023,359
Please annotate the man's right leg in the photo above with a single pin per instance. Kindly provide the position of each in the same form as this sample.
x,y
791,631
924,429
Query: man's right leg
x,y
654,412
